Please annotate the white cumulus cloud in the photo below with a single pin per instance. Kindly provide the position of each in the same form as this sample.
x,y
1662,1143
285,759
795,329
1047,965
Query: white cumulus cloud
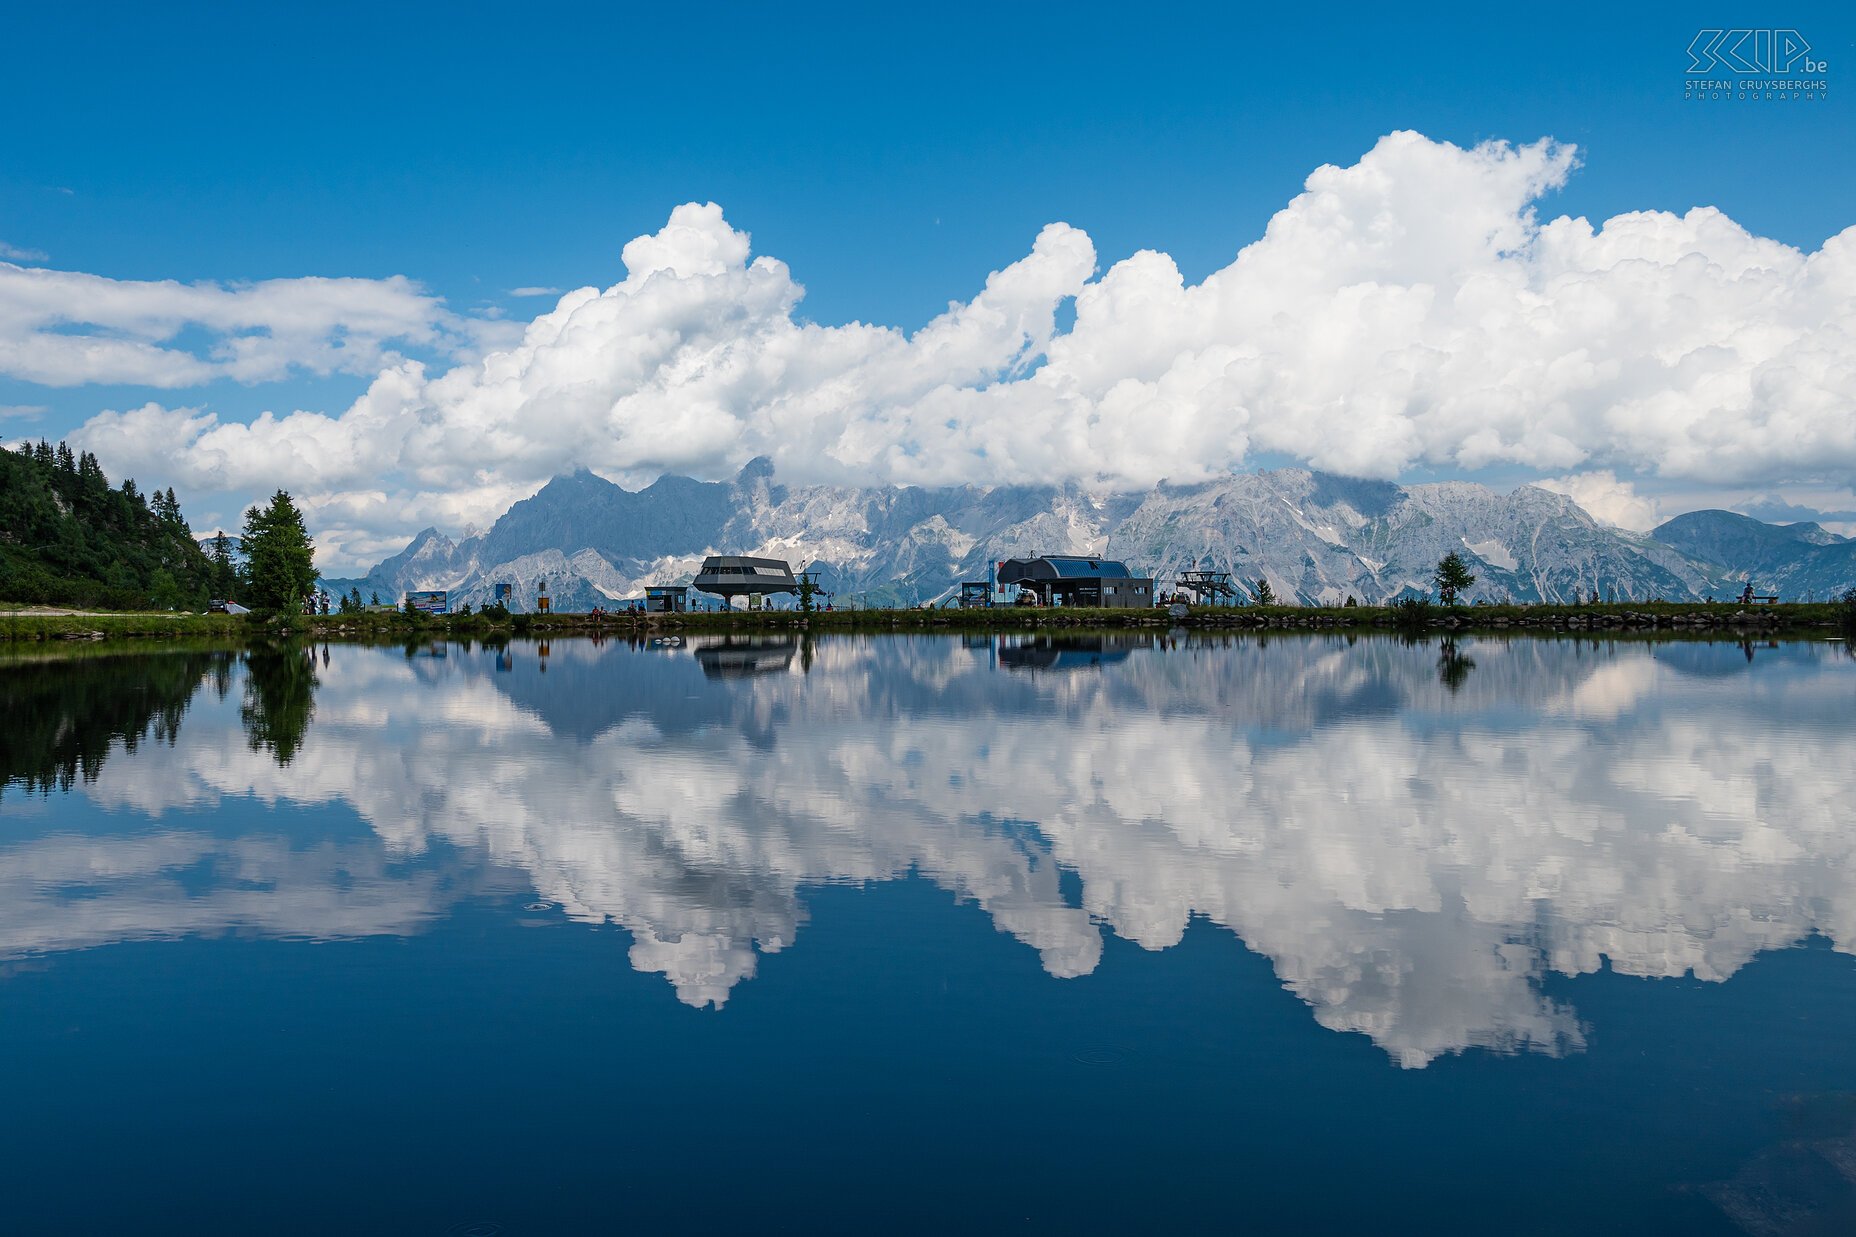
x,y
1409,310
64,328
1610,499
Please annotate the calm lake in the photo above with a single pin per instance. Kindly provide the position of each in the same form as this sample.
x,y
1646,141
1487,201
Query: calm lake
x,y
1099,935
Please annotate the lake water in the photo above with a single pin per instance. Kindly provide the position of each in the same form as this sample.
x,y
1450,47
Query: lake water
x,y
931,935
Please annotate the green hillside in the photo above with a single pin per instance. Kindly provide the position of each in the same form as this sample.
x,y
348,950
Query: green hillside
x,y
67,537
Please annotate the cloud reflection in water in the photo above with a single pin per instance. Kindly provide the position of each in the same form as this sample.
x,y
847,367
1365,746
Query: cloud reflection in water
x,y
1415,842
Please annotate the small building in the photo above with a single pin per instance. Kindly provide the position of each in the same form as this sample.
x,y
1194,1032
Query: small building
x,y
729,576
1077,580
975,594
666,599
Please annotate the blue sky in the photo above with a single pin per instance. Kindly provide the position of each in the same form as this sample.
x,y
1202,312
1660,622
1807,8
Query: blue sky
x,y
890,156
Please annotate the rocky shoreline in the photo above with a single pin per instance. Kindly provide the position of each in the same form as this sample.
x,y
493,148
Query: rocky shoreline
x,y
1668,618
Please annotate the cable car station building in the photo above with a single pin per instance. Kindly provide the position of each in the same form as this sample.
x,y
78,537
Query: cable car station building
x,y
729,576
1078,580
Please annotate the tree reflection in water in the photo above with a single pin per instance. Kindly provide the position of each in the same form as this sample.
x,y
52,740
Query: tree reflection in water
x,y
1453,666
64,714
280,698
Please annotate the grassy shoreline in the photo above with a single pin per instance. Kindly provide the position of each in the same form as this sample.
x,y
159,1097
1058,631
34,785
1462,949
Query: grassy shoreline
x,y
16,626
1643,617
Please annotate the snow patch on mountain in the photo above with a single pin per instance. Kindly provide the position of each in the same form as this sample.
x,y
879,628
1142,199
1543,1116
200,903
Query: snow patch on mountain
x,y
1494,553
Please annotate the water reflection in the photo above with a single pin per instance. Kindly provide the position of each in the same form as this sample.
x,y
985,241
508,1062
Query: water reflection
x,y
65,714
74,892
1415,847
280,687
1067,652
733,657
1453,665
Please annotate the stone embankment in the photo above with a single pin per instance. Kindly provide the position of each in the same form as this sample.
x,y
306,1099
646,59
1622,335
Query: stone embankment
x,y
1764,619
1650,619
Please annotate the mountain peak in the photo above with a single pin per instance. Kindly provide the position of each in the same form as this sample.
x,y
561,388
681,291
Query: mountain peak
x,y
756,469
569,486
1740,542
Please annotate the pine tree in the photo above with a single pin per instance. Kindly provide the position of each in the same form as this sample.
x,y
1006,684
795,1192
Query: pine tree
x,y
808,592
224,581
1266,596
280,559
1453,576
90,473
167,508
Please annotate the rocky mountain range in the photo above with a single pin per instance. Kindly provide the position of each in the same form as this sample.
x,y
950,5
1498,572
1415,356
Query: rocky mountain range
x,y
1793,560
1315,537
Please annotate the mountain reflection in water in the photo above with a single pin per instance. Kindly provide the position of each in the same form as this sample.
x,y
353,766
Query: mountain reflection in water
x,y
1416,835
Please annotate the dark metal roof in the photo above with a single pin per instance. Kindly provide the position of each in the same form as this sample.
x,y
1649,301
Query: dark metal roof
x,y
739,564
1063,567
